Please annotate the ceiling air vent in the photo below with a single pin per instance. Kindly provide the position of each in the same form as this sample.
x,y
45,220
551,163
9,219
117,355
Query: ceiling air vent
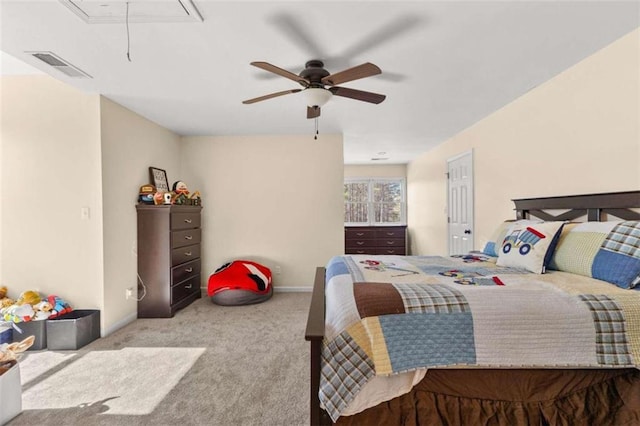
x,y
60,64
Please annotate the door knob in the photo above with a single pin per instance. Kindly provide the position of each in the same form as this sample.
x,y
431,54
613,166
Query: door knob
x,y
467,231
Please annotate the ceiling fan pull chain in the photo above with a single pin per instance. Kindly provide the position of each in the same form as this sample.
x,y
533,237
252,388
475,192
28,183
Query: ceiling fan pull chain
x,y
128,41
315,137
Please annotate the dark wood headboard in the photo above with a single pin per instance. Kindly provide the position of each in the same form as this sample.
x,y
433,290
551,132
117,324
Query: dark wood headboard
x,y
618,204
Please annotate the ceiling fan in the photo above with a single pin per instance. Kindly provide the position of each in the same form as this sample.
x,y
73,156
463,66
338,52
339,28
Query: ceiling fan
x,y
314,79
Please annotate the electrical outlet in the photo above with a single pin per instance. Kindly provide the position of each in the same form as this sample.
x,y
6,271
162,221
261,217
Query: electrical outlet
x,y
128,293
277,270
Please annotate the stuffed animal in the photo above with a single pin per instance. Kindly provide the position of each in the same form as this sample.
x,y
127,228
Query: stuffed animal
x,y
28,297
42,310
18,313
59,306
4,300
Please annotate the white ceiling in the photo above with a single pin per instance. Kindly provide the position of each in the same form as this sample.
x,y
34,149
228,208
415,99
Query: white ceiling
x,y
445,65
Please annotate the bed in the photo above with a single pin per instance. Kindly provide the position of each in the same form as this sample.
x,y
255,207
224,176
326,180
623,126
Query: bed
x,y
474,339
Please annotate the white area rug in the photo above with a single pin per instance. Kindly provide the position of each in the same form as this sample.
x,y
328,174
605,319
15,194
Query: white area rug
x,y
129,381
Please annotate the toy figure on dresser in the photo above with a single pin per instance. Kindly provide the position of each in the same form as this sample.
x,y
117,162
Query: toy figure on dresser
x,y
146,194
180,195
195,198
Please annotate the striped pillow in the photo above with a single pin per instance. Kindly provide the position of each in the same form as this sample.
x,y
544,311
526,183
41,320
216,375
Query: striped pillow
x,y
608,251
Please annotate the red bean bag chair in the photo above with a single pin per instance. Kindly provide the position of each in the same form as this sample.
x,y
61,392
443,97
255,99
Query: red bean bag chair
x,y
240,282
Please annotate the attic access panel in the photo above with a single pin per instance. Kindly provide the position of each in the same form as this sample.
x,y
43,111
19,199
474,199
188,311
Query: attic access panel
x,y
112,12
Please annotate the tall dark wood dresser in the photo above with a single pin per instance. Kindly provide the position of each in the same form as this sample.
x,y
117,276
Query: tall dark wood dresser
x,y
375,240
169,261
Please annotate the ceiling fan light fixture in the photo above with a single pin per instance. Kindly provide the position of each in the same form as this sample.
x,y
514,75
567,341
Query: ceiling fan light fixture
x,y
317,97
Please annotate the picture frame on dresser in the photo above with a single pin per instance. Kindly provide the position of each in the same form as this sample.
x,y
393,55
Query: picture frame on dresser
x,y
159,179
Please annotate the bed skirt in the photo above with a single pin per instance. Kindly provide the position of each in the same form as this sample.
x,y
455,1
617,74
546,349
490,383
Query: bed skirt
x,y
512,397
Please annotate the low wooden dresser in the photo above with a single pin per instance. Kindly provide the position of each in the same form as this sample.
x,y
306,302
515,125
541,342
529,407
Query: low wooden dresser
x,y
169,261
375,240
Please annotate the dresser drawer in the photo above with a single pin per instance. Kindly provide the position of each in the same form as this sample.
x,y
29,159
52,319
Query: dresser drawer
x,y
186,270
351,250
359,234
399,251
185,238
185,220
384,233
184,254
184,289
390,242
358,244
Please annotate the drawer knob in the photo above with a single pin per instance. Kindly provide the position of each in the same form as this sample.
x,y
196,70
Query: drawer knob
x,y
188,270
359,243
390,243
188,237
187,221
390,234
359,234
188,286
187,253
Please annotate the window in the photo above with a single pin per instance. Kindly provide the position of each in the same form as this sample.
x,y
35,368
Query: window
x,y
374,201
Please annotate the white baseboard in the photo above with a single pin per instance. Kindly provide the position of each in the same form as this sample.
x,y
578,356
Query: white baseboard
x,y
118,325
278,289
284,289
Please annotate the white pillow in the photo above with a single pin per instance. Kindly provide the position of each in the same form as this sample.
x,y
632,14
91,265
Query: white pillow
x,y
529,246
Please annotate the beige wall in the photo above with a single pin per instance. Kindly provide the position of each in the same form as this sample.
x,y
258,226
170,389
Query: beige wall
x,y
362,170
62,151
276,200
130,144
577,133
50,171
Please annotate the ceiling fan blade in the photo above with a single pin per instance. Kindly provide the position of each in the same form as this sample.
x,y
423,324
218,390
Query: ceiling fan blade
x,y
281,72
272,95
359,95
361,71
302,36
394,29
313,112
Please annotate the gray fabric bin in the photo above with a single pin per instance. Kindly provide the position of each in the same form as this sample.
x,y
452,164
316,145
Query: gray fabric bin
x,y
73,330
37,329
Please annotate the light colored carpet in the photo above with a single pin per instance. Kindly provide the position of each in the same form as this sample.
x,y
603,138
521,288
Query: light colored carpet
x,y
209,365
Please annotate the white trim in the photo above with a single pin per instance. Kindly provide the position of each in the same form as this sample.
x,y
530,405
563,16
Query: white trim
x,y
118,325
286,289
278,289
458,156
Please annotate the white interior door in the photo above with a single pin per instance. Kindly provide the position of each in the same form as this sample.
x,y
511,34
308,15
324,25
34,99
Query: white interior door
x,y
460,203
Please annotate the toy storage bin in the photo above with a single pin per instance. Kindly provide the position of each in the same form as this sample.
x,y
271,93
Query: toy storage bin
x,y
6,335
73,330
10,391
32,328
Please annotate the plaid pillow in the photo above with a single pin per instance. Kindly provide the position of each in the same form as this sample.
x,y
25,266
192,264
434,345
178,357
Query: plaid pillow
x,y
608,251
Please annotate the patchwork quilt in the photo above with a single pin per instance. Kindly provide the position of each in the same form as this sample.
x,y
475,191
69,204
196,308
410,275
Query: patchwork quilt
x,y
392,314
